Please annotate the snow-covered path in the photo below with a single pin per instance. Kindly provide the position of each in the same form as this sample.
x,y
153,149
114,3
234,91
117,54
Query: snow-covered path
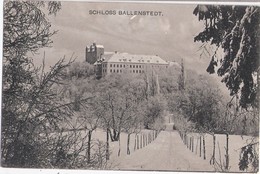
x,y
167,152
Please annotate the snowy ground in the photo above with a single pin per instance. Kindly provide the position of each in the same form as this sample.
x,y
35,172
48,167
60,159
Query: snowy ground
x,y
168,153
235,144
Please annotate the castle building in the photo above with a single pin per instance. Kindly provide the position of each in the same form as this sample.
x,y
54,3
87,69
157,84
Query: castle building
x,y
123,63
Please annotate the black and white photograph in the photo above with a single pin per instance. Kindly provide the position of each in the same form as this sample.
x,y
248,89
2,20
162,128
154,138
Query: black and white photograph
x,y
130,86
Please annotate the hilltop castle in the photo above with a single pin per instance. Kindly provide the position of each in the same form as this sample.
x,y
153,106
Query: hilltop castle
x,y
122,63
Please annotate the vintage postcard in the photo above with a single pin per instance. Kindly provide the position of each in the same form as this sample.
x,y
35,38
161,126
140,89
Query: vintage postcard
x,y
130,86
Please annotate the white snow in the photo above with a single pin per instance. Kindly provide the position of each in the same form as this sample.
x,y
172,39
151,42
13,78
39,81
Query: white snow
x,y
167,152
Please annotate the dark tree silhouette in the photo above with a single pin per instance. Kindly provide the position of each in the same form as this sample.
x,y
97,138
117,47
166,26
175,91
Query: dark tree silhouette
x,y
235,29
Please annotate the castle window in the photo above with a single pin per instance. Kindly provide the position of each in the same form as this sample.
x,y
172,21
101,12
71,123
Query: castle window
x,y
117,71
139,71
114,70
114,65
130,66
120,66
133,66
110,65
111,70
139,66
120,71
133,71
124,66
117,65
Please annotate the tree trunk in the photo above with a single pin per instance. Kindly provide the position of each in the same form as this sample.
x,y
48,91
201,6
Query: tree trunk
x,y
145,138
141,141
89,146
111,136
214,149
137,141
192,144
107,146
196,151
204,147
114,135
200,146
119,145
128,144
227,155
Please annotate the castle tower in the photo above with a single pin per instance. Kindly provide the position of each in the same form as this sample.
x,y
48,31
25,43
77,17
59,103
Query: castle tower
x,y
94,52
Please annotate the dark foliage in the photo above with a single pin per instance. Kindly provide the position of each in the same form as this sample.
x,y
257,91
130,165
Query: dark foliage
x,y
249,156
236,30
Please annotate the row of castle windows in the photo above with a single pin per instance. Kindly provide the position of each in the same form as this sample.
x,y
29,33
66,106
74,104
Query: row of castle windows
x,y
131,66
120,71
120,65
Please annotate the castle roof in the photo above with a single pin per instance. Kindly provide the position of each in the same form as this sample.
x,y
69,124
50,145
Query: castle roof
x,y
133,58
99,46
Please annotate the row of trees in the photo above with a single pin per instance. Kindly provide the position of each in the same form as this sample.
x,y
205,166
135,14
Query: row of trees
x,y
120,104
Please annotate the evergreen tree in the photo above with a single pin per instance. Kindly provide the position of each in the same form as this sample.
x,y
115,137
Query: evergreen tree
x,y
235,29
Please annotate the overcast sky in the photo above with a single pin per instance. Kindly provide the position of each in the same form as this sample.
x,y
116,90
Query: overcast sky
x,y
170,36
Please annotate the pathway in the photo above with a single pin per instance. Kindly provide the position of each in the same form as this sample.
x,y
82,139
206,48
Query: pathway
x,y
167,152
